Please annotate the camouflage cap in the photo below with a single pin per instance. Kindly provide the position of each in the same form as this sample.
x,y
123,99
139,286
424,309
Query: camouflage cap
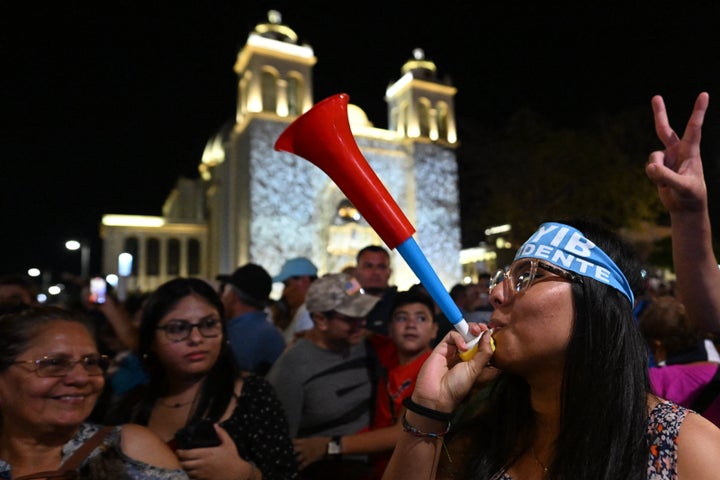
x,y
339,292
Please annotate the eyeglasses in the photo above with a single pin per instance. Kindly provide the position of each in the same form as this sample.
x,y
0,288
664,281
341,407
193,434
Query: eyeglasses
x,y
61,365
524,273
179,330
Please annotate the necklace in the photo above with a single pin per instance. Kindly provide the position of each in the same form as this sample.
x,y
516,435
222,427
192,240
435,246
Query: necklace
x,y
175,405
542,465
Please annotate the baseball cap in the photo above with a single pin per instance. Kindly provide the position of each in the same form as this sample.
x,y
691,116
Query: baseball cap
x,y
296,267
339,292
252,280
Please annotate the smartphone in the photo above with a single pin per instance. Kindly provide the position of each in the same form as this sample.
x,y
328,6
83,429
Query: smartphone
x,y
198,434
98,290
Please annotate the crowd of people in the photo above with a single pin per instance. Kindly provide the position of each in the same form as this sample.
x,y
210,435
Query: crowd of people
x,y
579,371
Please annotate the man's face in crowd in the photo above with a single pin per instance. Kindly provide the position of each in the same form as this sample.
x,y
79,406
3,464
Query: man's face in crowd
x,y
373,271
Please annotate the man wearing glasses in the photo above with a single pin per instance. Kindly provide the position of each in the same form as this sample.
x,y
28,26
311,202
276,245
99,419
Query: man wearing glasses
x,y
256,343
324,380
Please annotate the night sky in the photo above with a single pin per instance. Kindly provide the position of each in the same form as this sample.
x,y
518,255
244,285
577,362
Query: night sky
x,y
105,106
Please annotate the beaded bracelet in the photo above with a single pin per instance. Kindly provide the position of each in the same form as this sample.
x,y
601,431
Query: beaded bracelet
x,y
427,412
419,433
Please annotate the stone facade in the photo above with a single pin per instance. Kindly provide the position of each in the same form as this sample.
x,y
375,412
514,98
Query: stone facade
x,y
264,206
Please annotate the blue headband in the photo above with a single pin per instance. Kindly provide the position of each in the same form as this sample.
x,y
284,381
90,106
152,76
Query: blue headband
x,y
566,247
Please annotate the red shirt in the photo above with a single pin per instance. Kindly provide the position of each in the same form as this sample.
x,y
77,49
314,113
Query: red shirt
x,y
396,382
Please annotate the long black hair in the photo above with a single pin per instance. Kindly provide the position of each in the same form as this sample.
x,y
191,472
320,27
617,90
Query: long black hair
x,y
218,387
603,412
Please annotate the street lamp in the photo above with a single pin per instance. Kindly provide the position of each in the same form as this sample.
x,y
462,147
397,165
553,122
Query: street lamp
x,y
84,256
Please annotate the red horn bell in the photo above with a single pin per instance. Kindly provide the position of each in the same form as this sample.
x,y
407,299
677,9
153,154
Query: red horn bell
x,y
322,136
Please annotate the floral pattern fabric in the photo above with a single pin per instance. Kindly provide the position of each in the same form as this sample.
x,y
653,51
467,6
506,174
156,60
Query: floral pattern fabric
x,y
132,469
663,429
664,424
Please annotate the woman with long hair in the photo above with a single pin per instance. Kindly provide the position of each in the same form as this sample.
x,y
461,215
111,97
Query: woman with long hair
x,y
564,393
222,423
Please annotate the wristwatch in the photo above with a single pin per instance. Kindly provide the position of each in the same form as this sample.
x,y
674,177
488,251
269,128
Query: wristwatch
x,y
334,446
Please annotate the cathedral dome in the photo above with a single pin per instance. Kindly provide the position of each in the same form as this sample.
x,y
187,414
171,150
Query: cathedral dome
x,y
357,117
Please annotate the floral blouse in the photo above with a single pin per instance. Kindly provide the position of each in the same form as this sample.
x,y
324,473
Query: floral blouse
x,y
131,469
663,427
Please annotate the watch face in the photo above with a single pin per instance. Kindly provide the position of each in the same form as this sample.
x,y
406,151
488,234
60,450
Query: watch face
x,y
333,448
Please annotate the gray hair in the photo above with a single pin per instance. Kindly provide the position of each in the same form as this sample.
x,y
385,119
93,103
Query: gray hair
x,y
19,327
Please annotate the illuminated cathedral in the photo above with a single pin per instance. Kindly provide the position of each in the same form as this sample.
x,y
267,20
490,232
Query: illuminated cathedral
x,y
254,204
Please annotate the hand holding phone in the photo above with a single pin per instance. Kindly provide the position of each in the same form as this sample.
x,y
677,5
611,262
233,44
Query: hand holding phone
x,y
198,434
98,290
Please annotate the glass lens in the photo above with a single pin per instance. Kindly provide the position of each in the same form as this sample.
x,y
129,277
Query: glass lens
x,y
96,365
497,278
61,366
556,270
522,274
177,330
54,366
209,327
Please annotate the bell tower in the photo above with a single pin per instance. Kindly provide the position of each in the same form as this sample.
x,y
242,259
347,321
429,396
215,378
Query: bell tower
x,y
274,72
253,203
421,106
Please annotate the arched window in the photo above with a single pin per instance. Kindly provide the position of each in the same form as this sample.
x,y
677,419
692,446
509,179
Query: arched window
x,y
295,95
423,113
130,245
173,256
269,92
442,121
403,119
193,260
152,266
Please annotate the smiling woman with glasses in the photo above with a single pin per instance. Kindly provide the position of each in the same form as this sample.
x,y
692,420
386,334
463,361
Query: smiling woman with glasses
x,y
194,382
51,376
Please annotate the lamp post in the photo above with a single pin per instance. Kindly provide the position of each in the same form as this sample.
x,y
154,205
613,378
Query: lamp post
x,y
84,256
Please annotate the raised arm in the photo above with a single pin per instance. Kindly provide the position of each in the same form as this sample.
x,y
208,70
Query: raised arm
x,y
120,322
678,173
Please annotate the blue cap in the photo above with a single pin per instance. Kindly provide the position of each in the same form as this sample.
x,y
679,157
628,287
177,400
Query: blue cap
x,y
296,267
